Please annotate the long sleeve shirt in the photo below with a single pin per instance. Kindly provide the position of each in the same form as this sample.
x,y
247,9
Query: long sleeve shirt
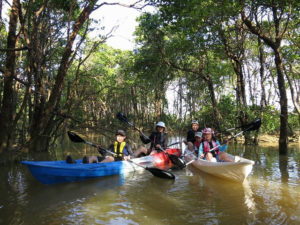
x,y
190,137
156,138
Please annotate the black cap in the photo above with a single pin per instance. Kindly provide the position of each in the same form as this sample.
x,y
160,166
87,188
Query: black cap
x,y
121,132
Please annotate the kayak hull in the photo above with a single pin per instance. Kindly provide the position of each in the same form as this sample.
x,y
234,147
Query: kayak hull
x,y
52,172
236,171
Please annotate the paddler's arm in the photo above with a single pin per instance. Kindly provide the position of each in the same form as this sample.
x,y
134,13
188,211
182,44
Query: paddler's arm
x,y
223,147
129,150
200,153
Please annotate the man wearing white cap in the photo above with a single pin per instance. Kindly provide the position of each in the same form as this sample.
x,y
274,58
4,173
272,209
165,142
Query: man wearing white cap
x,y
190,139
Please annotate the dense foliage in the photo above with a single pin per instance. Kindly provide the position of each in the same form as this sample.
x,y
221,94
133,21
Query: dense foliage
x,y
222,62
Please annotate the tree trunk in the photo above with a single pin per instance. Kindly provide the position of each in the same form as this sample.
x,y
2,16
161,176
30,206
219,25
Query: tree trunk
x,y
45,117
294,97
283,103
8,107
263,100
212,95
1,6
157,106
241,97
236,59
275,45
134,103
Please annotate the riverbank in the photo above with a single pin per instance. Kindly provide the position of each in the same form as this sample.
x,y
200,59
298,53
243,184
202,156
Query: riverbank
x,y
272,140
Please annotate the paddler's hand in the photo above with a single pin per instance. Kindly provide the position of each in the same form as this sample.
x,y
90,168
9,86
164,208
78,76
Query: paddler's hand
x,y
127,157
153,152
201,156
158,146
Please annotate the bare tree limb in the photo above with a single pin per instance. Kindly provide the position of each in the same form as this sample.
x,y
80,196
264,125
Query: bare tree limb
x,y
14,49
135,5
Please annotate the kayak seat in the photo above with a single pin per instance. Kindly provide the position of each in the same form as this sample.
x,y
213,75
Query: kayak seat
x,y
85,159
69,159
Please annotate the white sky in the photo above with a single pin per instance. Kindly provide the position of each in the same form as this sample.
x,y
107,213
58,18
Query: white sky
x,y
122,17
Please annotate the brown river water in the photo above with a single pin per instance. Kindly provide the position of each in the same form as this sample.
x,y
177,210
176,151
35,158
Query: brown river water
x,y
271,194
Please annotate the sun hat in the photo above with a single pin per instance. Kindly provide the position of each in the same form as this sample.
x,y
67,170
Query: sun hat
x,y
161,124
208,131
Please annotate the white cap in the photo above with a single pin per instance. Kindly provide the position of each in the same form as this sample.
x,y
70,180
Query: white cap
x,y
195,121
198,134
161,124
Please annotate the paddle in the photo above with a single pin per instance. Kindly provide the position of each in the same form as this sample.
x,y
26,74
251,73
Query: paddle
x,y
174,159
175,143
249,125
255,125
155,171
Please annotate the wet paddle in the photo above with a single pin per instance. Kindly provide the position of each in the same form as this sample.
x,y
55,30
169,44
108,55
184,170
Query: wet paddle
x,y
249,125
155,171
174,159
255,125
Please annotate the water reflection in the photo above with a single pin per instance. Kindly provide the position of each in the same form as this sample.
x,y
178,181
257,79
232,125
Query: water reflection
x,y
224,196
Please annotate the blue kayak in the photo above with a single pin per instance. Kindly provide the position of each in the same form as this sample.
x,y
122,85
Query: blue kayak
x,y
52,172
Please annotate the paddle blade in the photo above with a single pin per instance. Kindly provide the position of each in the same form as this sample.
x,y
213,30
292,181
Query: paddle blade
x,y
178,162
74,137
122,117
255,125
161,173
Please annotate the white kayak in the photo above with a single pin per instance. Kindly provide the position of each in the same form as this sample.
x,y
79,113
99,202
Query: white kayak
x,y
234,171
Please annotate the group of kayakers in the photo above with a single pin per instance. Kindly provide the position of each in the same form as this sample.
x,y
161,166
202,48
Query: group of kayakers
x,y
204,145
201,142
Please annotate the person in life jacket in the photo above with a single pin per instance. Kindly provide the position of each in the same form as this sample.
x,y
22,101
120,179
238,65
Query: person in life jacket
x,y
158,139
209,142
198,140
119,147
190,139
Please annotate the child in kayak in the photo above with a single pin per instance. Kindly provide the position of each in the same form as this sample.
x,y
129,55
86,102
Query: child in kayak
x,y
121,148
209,142
158,139
197,143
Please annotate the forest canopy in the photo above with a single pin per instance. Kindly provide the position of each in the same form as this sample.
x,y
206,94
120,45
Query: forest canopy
x,y
222,62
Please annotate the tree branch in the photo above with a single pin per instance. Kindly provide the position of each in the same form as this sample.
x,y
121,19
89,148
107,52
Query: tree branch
x,y
254,29
14,49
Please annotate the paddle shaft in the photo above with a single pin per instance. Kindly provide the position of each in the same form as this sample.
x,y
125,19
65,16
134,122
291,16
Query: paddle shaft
x,y
179,142
239,133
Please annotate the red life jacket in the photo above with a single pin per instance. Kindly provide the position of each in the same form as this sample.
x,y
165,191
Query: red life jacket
x,y
196,147
206,147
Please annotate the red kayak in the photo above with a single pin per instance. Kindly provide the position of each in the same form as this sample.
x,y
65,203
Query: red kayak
x,y
162,159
